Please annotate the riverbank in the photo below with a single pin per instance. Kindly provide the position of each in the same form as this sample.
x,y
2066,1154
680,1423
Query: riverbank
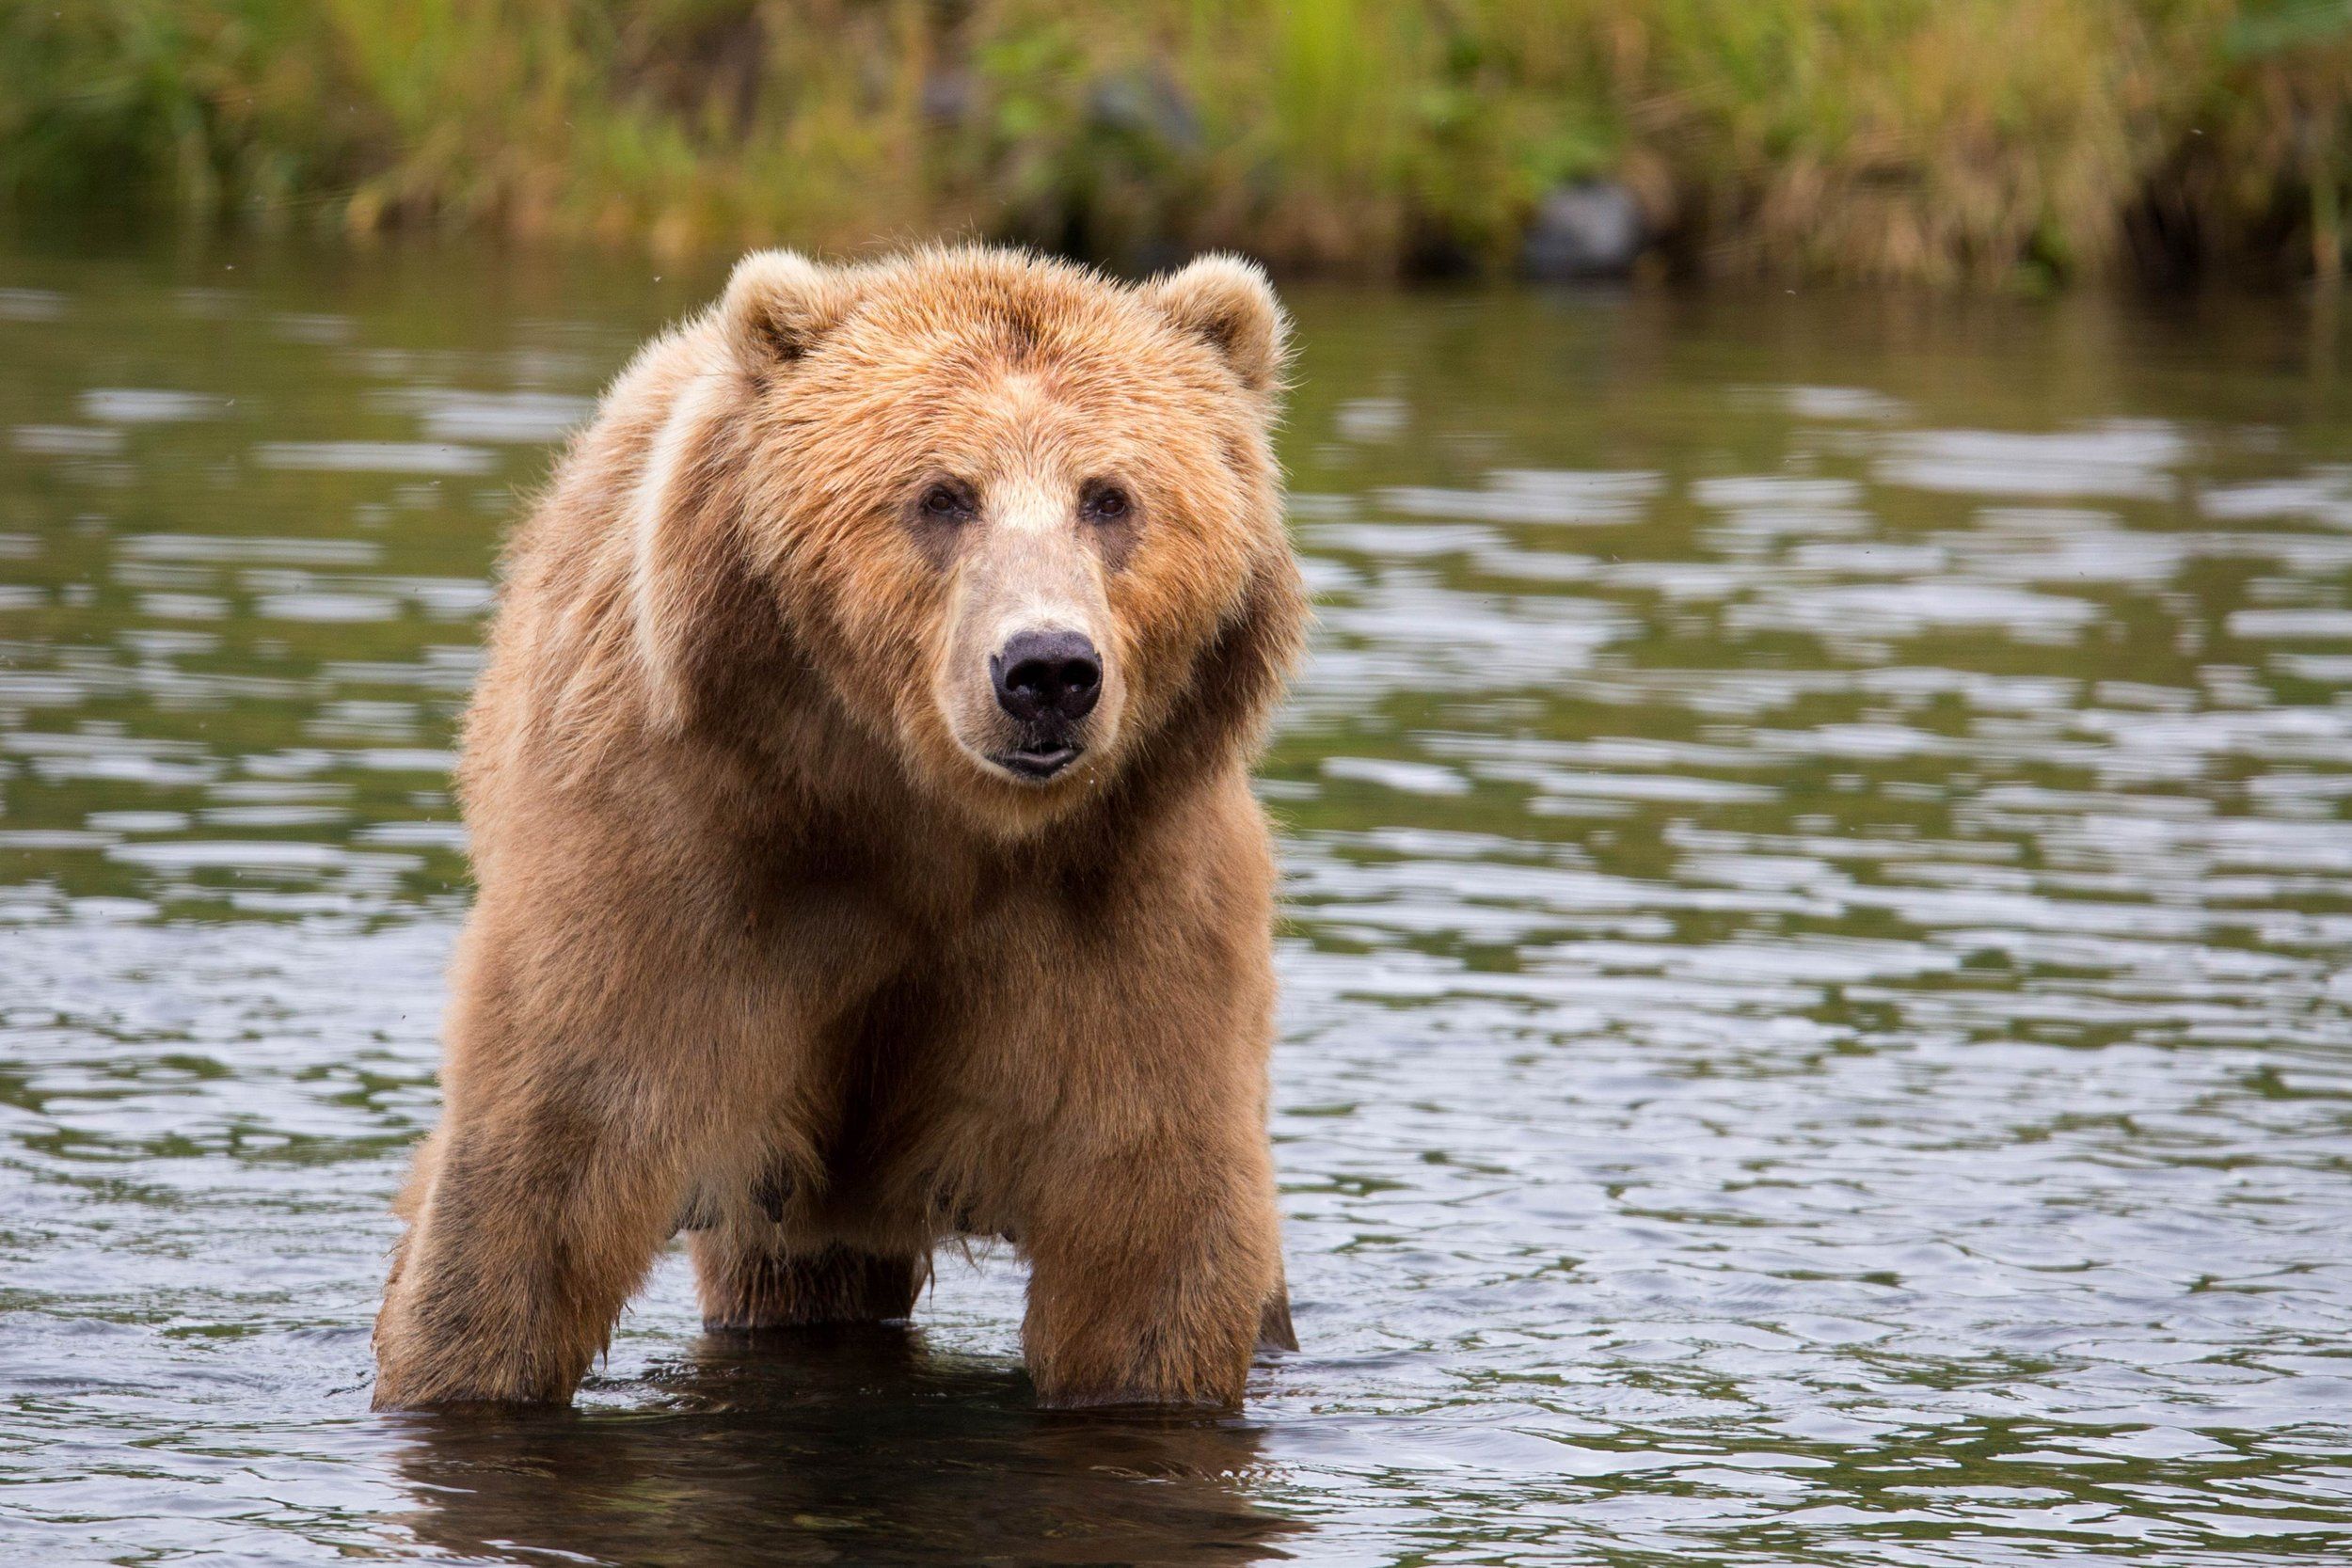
x,y
1973,143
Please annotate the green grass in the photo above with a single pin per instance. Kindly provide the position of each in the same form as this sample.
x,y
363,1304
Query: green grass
x,y
1947,142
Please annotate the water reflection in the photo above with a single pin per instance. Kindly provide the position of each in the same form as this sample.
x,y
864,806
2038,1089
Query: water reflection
x,y
1819,838
838,1447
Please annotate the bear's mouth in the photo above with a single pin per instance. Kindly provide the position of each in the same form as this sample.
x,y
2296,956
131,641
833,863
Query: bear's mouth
x,y
1039,760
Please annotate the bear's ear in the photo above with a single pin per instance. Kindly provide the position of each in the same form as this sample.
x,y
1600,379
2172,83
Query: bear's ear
x,y
1227,302
779,305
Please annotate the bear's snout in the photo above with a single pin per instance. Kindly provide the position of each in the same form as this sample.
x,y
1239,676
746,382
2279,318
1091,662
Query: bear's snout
x,y
1048,681
1047,676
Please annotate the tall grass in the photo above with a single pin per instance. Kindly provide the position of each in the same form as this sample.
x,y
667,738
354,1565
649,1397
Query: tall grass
x,y
1939,141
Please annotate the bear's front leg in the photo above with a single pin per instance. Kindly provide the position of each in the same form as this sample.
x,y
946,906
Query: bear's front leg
x,y
534,1221
573,1114
1153,1272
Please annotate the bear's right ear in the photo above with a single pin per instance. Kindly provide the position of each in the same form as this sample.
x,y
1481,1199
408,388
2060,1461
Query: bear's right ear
x,y
779,305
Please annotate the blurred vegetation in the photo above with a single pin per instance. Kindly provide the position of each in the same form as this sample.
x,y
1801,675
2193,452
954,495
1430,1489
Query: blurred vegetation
x,y
1936,141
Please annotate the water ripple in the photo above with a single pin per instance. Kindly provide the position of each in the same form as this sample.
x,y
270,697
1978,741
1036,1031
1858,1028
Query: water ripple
x,y
1815,1020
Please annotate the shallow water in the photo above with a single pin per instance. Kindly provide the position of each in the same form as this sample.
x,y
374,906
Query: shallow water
x,y
1815,1026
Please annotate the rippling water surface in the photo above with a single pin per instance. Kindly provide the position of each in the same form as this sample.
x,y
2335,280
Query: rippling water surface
x,y
1819,875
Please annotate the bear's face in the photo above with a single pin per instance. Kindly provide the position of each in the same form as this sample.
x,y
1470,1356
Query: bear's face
x,y
1018,515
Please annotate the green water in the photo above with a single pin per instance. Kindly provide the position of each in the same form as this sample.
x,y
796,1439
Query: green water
x,y
1816,1027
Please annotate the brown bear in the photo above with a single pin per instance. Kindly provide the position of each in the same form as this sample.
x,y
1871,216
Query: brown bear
x,y
866,855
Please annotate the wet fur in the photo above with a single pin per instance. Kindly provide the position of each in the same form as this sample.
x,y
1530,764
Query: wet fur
x,y
762,953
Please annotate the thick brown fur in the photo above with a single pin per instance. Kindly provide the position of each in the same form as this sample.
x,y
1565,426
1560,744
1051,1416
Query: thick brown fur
x,y
767,948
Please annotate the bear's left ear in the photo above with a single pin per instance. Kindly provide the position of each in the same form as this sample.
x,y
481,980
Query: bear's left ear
x,y
1227,302
779,305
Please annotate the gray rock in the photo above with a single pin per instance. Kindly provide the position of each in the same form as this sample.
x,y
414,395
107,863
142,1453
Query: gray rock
x,y
1592,230
947,97
1148,105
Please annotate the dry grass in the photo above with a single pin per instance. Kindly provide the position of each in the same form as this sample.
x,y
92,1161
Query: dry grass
x,y
1939,141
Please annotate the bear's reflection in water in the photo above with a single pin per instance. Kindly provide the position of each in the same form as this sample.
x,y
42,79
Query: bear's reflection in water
x,y
851,1445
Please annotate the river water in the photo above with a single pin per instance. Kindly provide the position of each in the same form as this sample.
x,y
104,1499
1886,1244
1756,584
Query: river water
x,y
1818,856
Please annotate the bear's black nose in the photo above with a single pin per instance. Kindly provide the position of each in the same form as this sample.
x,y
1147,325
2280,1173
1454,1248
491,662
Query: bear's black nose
x,y
1049,676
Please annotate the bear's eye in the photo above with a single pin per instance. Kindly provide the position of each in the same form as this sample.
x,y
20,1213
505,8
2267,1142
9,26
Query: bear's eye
x,y
945,502
1103,503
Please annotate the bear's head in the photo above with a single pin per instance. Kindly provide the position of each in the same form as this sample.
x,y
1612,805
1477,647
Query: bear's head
x,y
1022,522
